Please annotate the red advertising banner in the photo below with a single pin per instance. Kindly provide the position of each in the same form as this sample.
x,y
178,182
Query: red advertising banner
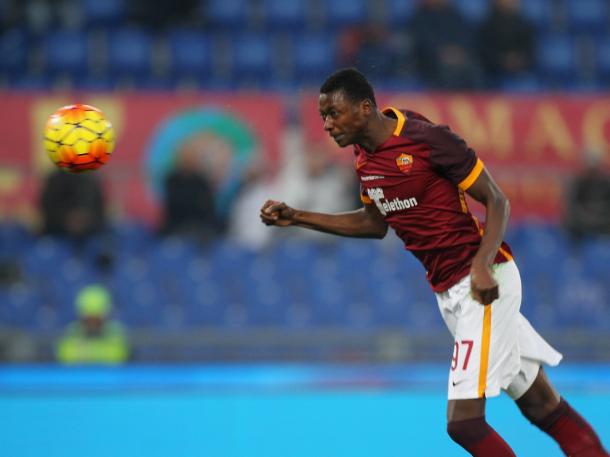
x,y
532,144
151,129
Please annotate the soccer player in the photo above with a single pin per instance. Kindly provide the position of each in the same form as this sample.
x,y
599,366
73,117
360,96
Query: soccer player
x,y
413,176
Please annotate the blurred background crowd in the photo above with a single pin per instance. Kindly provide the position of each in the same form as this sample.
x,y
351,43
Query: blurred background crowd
x,y
160,255
283,44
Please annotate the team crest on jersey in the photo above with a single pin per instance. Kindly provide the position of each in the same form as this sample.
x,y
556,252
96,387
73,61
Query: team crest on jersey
x,y
404,162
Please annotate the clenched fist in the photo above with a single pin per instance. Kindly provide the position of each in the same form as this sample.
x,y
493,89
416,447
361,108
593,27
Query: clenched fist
x,y
277,213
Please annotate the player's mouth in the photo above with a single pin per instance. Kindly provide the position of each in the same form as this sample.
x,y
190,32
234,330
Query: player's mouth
x,y
338,138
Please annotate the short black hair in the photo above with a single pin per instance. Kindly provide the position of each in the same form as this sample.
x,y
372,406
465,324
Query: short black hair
x,y
353,84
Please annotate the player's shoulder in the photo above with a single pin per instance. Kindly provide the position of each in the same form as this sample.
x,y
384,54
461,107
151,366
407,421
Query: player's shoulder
x,y
424,131
418,128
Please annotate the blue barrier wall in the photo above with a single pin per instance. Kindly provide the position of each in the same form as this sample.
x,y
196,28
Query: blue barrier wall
x,y
260,410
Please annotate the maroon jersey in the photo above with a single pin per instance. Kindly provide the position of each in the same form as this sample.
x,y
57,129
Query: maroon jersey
x,y
417,180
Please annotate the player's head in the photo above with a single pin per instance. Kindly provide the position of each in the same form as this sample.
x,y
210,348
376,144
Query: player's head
x,y
346,102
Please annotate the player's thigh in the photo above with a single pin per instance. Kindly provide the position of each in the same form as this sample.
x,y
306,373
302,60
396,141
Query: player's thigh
x,y
486,350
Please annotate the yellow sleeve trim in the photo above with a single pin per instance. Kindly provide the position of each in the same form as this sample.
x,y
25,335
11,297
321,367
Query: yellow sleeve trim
x,y
505,254
401,119
366,200
472,176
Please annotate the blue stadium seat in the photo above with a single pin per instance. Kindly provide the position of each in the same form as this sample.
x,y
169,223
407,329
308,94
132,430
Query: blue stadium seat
x,y
44,256
66,53
557,58
581,302
94,83
345,12
132,237
205,304
15,240
540,245
107,12
169,257
398,12
190,53
596,259
329,306
132,268
528,83
253,58
130,52
314,57
390,300
264,305
539,12
30,82
141,304
228,259
473,10
14,49
19,305
587,15
223,14
602,54
285,14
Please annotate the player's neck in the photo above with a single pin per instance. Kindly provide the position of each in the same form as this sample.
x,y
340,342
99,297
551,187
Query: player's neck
x,y
379,129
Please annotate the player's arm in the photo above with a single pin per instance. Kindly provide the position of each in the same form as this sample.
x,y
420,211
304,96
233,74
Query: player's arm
x,y
485,190
365,222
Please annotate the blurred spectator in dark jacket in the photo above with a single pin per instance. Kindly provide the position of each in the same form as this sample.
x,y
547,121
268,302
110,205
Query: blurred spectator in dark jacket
x,y
443,41
190,208
72,205
164,13
506,41
13,14
587,209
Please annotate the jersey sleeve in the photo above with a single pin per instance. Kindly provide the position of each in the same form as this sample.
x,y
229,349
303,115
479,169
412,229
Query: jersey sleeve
x,y
364,198
449,153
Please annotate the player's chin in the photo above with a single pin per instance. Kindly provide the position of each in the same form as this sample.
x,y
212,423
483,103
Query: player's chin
x,y
342,141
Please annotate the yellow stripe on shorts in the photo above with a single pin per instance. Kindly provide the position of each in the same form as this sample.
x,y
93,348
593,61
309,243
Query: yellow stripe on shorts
x,y
485,350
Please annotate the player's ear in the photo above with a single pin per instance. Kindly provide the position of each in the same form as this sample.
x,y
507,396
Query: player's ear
x,y
366,106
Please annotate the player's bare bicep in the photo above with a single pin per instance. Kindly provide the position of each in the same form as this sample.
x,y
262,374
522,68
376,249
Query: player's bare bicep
x,y
484,188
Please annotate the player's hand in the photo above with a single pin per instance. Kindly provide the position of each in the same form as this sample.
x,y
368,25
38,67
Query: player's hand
x,y
482,284
277,213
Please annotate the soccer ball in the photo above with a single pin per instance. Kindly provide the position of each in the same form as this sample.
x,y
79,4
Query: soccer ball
x,y
79,138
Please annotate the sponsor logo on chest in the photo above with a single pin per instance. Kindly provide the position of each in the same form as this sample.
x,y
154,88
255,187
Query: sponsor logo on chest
x,y
371,177
386,206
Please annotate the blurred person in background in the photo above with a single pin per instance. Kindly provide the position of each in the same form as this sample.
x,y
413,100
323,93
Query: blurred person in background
x,y
587,211
189,202
13,14
43,15
413,177
507,41
442,44
94,337
256,184
320,182
72,206
166,13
